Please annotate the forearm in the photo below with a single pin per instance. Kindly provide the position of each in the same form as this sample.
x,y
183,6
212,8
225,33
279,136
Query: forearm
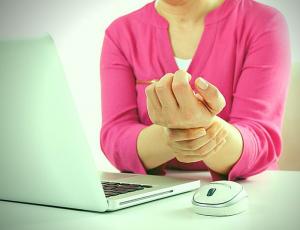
x,y
152,147
223,160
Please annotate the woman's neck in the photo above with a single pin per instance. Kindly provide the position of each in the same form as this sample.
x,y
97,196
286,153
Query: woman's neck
x,y
186,11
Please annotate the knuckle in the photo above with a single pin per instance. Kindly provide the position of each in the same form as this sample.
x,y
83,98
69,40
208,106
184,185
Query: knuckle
x,y
180,71
179,85
149,89
166,79
159,87
168,75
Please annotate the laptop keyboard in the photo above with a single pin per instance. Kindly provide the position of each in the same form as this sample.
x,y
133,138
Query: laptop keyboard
x,y
114,189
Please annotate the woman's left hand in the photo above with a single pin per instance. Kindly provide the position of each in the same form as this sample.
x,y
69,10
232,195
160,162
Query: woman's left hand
x,y
172,103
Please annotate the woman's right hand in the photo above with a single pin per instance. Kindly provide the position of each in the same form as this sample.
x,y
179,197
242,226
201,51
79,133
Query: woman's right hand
x,y
197,144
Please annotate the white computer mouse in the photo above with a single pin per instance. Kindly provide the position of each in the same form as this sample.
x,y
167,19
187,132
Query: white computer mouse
x,y
220,198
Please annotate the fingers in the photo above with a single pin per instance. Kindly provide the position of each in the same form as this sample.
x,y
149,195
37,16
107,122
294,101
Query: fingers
x,y
207,146
182,89
163,90
216,132
195,158
175,135
198,149
211,95
211,147
153,104
184,134
152,97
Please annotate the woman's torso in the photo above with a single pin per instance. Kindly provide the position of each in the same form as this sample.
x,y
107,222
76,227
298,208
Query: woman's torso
x,y
218,57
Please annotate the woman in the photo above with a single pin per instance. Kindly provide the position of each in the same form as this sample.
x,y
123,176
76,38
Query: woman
x,y
156,116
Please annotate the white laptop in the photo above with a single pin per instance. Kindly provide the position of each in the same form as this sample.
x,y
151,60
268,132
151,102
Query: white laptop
x,y
44,155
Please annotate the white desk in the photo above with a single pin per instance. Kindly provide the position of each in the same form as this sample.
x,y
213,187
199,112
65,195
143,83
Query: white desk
x,y
274,204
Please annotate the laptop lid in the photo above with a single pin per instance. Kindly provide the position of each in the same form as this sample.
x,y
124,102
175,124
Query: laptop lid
x,y
44,155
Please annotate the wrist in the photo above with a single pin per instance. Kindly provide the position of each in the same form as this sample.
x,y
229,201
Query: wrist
x,y
223,160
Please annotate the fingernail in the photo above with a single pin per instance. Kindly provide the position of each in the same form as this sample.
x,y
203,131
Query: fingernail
x,y
202,83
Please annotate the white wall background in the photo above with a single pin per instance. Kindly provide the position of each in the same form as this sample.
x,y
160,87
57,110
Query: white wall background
x,y
77,27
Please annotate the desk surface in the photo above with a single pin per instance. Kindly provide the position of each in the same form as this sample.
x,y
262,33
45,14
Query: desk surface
x,y
273,195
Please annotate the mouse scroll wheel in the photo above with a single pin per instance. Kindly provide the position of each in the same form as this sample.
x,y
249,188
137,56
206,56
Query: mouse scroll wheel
x,y
211,191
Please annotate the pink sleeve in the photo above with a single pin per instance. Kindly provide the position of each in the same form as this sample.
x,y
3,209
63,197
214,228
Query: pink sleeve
x,y
259,99
120,122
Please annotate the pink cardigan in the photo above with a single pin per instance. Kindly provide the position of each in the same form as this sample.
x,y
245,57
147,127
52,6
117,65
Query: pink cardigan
x,y
244,51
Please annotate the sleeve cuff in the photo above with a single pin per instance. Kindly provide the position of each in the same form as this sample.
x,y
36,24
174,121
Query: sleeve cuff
x,y
131,161
242,166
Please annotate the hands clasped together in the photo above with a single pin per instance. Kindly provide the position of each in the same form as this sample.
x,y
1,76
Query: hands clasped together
x,y
187,117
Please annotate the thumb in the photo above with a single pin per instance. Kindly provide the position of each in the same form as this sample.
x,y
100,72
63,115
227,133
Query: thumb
x,y
210,95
